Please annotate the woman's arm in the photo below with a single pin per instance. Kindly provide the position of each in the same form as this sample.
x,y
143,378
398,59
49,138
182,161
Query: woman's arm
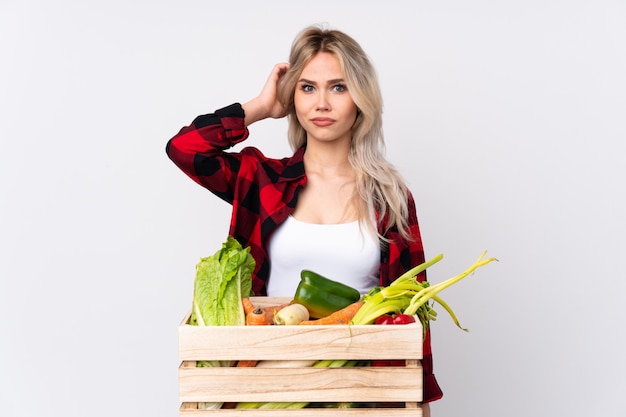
x,y
199,149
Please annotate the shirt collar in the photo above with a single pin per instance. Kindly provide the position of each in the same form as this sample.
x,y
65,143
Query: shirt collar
x,y
294,168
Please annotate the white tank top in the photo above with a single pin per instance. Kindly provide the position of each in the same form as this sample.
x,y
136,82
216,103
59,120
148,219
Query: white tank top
x,y
341,252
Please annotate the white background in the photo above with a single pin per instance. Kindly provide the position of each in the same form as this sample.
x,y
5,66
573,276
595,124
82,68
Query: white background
x,y
507,119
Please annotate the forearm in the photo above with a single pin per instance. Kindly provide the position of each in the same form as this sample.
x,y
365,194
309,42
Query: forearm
x,y
254,110
199,149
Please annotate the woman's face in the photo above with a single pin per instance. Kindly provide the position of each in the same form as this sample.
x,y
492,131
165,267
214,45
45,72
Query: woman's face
x,y
324,106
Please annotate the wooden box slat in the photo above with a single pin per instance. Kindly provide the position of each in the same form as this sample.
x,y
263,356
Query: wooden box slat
x,y
301,384
299,342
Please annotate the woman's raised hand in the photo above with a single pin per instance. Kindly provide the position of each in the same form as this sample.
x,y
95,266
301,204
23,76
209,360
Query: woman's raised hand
x,y
266,104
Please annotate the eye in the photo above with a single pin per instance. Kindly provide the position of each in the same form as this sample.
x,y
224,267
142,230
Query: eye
x,y
307,88
339,88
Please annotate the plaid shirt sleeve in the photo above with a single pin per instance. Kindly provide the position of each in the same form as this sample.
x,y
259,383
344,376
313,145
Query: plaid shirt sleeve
x,y
198,150
398,257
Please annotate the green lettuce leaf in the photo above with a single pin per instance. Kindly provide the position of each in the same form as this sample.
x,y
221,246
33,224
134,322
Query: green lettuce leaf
x,y
222,280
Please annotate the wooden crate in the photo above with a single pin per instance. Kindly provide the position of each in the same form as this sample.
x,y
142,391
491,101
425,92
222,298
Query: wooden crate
x,y
401,384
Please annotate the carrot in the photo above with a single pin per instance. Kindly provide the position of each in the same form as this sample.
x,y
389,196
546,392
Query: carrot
x,y
248,306
247,363
342,316
257,317
270,311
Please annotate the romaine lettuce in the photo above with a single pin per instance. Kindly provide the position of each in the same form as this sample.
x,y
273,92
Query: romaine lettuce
x,y
222,280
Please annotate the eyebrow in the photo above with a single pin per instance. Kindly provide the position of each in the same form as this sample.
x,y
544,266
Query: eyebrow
x,y
334,81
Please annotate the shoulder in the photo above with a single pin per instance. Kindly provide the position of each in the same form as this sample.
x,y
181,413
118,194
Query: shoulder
x,y
254,156
291,167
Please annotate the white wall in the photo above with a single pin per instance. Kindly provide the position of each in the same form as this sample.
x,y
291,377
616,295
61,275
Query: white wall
x,y
507,118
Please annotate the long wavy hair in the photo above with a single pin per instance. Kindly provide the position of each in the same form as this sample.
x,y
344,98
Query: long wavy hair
x,y
378,183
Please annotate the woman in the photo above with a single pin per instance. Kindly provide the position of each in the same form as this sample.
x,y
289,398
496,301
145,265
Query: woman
x,y
336,205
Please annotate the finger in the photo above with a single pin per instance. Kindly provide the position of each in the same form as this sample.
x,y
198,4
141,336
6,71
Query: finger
x,y
281,69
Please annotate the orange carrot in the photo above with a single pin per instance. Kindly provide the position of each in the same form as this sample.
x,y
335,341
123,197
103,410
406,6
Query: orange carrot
x,y
247,363
257,317
342,316
248,307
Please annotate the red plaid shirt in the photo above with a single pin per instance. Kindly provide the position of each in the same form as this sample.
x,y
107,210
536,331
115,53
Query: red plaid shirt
x,y
263,192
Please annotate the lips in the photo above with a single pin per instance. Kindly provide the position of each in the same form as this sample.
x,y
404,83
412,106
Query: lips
x,y
322,121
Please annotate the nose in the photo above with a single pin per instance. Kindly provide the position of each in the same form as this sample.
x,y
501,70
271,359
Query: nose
x,y
323,104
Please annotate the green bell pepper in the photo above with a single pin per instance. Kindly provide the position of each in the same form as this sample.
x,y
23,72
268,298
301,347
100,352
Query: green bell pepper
x,y
323,296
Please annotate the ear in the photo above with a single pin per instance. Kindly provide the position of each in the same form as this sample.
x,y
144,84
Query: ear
x,y
358,114
357,119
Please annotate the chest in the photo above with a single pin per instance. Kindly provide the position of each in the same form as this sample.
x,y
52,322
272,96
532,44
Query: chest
x,y
342,252
331,201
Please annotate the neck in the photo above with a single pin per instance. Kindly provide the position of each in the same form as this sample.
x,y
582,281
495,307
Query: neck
x,y
327,157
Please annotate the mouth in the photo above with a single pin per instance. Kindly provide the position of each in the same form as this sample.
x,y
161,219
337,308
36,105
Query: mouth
x,y
322,121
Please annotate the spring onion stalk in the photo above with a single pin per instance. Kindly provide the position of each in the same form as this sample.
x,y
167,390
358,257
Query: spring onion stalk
x,y
411,273
422,296
395,297
432,314
409,296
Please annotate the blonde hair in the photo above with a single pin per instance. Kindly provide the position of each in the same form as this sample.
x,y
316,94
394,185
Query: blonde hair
x,y
378,183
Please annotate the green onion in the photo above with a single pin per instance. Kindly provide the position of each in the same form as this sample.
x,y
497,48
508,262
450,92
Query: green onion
x,y
421,297
409,296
